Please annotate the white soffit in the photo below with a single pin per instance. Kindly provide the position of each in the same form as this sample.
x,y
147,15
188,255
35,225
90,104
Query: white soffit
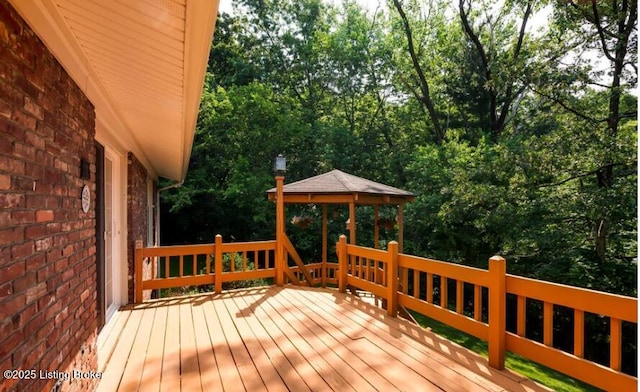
x,y
140,62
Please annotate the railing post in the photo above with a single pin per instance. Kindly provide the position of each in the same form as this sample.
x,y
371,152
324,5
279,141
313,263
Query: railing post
x,y
280,251
392,279
342,263
138,272
217,263
497,311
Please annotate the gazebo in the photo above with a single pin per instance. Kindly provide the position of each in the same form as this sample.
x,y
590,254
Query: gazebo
x,y
337,187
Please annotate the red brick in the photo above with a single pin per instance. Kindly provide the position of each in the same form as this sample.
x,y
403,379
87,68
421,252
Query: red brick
x,y
35,292
27,314
25,282
67,250
11,200
37,140
12,165
24,119
67,275
6,144
12,271
35,231
33,108
44,216
43,244
13,304
5,182
5,218
21,217
6,290
8,236
22,250
35,201
43,273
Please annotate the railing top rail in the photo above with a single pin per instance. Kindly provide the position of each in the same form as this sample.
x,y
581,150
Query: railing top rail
x,y
450,270
371,253
176,250
248,246
592,301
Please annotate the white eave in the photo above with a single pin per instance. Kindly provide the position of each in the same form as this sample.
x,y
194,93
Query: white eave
x,y
140,62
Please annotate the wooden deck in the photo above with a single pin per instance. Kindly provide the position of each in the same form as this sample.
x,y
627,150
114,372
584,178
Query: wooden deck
x,y
292,338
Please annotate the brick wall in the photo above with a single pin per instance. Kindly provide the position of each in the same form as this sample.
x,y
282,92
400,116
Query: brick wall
x,y
47,244
136,219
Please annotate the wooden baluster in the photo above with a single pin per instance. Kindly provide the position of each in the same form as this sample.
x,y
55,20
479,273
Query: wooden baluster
x,y
548,324
477,302
233,261
374,274
195,265
443,292
521,316
218,263
578,333
615,344
244,261
459,296
208,264
167,271
405,280
429,287
416,284
354,261
181,266
365,275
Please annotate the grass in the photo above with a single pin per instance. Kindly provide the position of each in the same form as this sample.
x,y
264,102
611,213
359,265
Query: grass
x,y
536,372
201,264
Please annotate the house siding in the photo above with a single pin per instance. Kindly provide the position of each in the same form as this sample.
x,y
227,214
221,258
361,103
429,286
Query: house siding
x,y
47,244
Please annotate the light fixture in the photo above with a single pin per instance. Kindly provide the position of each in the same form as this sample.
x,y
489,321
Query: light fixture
x,y
280,164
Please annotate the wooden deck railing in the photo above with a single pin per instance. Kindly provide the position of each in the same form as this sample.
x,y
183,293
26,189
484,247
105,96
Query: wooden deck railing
x,y
194,265
422,285
408,281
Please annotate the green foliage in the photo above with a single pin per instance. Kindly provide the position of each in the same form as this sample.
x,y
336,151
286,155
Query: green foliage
x,y
532,165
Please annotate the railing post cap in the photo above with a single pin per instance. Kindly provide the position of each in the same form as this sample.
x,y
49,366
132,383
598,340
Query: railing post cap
x,y
497,258
342,236
394,242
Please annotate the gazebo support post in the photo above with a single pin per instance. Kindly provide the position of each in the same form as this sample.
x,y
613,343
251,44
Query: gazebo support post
x,y
324,246
280,252
352,223
376,227
400,227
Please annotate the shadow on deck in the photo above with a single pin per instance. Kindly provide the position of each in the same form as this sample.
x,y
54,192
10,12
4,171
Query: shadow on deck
x,y
287,338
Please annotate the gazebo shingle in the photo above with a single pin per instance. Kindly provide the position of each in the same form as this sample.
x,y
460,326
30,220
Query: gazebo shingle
x,y
339,182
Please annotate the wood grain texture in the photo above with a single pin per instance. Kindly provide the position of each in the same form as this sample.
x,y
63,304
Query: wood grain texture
x,y
286,338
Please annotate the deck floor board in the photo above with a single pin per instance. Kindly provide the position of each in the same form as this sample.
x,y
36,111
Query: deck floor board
x,y
292,338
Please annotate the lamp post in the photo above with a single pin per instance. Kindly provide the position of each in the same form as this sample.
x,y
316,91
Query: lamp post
x,y
280,166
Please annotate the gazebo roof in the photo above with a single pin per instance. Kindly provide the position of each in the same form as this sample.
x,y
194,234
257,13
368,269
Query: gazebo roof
x,y
337,187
